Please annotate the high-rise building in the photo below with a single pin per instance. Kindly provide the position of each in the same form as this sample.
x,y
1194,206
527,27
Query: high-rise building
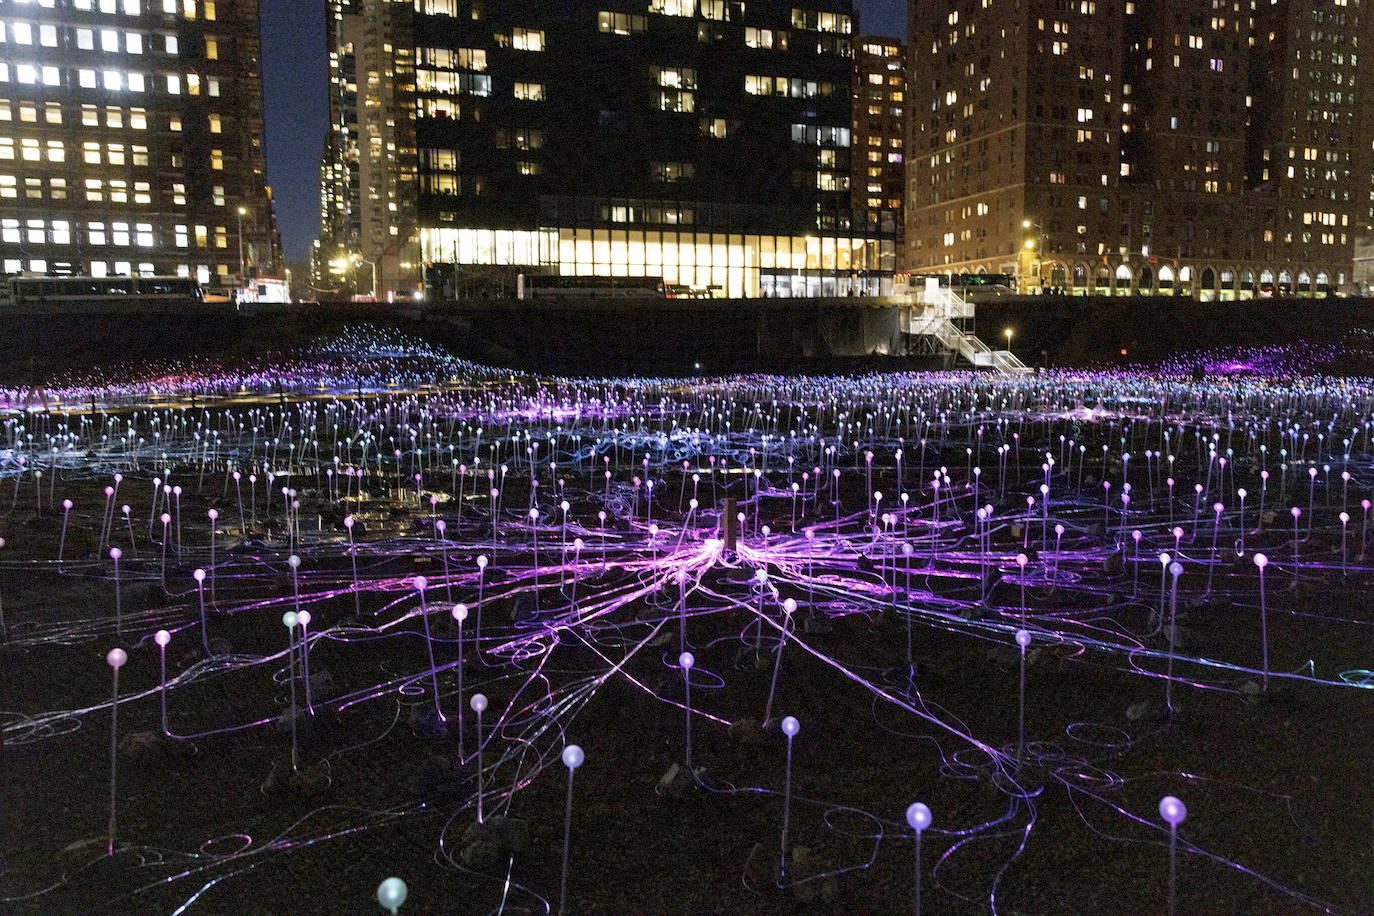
x,y
131,140
701,144
878,181
1211,147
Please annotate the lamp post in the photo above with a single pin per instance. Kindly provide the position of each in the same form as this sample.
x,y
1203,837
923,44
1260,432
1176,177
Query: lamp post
x,y
1034,249
359,259
1008,332
243,211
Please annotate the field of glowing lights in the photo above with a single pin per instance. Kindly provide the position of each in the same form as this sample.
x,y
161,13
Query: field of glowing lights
x,y
275,630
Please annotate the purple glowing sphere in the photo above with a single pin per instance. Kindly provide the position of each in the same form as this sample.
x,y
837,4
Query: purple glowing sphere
x,y
162,638
1172,810
116,658
573,756
790,726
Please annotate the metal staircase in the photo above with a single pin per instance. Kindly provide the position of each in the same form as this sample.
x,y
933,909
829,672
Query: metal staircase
x,y
934,317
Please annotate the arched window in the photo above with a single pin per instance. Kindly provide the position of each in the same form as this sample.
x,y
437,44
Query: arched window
x,y
1123,275
1209,278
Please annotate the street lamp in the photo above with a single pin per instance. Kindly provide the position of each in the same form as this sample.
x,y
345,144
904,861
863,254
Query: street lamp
x,y
1008,332
243,211
359,259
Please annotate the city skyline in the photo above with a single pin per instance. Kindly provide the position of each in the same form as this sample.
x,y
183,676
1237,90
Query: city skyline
x,y
293,41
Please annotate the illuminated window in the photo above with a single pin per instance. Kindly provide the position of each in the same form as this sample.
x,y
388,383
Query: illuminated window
x,y
621,23
529,92
527,39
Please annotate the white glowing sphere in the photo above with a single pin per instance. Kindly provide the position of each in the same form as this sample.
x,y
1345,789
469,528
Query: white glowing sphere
x,y
199,575
686,660
790,726
482,561
1023,638
789,605
460,612
290,619
420,582
478,702
391,893
918,816
293,561
116,658
573,756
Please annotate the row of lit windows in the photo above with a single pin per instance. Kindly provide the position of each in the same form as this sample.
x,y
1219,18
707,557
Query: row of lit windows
x,y
109,80
49,36
185,8
62,232
92,153
115,117
790,87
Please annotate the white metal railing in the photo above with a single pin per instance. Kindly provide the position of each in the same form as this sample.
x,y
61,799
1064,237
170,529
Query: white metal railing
x,y
941,306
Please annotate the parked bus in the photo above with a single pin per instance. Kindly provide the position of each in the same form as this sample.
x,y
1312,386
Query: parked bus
x,y
51,291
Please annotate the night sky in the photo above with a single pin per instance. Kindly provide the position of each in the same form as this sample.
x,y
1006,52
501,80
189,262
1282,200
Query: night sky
x,y
294,72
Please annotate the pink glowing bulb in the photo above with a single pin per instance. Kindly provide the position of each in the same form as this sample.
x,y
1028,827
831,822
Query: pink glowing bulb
x,y
66,504
303,618
1261,560
460,612
199,575
165,518
162,638
116,658
686,660
1022,560
115,553
420,583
